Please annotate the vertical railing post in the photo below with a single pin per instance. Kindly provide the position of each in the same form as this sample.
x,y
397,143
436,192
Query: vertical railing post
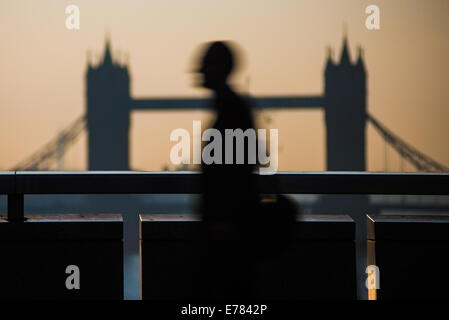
x,y
16,207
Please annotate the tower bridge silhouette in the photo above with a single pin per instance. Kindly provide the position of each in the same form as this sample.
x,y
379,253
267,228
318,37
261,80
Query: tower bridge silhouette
x,y
109,105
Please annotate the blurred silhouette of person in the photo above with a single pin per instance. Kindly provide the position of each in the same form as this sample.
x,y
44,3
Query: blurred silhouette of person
x,y
234,220
232,181
230,197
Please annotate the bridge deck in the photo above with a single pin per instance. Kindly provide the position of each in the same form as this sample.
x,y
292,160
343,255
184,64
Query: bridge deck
x,y
274,102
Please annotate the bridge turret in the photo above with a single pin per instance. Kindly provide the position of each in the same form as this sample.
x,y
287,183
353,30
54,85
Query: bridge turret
x,y
108,96
345,108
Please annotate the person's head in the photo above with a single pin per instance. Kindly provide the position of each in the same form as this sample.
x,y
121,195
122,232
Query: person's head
x,y
216,65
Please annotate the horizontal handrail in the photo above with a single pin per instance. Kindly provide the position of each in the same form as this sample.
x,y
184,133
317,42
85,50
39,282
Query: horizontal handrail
x,y
131,182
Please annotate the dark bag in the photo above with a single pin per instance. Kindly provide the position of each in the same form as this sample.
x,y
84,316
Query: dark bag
x,y
273,230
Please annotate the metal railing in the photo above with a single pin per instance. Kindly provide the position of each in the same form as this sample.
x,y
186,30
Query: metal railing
x,y
19,183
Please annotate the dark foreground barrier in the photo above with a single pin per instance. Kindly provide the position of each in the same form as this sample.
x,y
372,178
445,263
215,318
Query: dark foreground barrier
x,y
319,263
17,185
411,254
62,257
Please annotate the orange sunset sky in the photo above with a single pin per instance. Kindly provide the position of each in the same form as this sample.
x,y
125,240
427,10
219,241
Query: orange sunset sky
x,y
43,64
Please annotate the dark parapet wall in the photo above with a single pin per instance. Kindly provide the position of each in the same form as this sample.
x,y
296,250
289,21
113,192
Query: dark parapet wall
x,y
63,257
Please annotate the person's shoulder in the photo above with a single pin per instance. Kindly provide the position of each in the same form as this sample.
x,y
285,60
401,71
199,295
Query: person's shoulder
x,y
242,100
247,99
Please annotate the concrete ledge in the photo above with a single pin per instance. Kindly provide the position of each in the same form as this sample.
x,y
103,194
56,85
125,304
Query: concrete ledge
x,y
411,254
319,263
36,253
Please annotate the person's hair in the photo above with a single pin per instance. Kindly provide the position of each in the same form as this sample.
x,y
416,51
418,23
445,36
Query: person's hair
x,y
219,54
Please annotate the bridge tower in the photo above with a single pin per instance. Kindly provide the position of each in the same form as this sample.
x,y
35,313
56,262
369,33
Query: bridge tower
x,y
345,109
108,119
